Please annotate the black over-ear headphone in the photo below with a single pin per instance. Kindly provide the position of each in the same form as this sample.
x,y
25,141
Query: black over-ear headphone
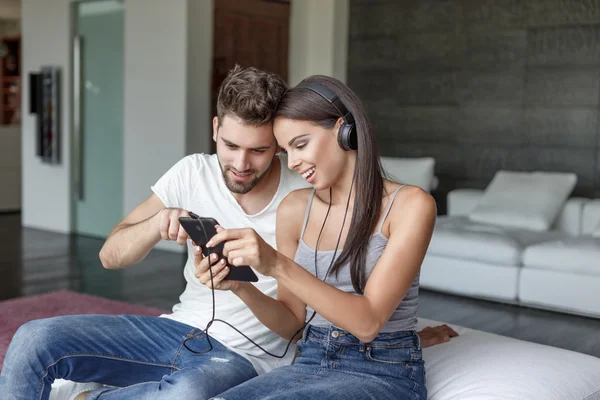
x,y
347,134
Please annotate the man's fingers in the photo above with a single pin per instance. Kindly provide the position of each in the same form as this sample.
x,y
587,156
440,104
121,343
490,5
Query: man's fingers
x,y
173,227
182,236
219,272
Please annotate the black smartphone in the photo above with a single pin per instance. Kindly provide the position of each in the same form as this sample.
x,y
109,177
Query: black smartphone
x,y
201,230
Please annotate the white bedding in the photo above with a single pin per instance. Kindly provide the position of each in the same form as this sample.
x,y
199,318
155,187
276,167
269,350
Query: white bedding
x,y
484,366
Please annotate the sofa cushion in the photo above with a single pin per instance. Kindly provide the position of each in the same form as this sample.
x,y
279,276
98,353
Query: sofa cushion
x,y
412,171
569,254
484,366
591,218
526,200
459,237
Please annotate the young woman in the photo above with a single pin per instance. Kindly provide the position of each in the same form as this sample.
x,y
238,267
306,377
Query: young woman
x,y
350,249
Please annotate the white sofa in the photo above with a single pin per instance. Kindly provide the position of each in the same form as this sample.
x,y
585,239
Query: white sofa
x,y
556,269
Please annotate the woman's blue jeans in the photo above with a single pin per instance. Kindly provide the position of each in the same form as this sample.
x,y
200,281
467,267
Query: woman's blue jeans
x,y
333,364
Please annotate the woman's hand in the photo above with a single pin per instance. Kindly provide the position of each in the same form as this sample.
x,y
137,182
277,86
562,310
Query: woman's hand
x,y
219,271
246,247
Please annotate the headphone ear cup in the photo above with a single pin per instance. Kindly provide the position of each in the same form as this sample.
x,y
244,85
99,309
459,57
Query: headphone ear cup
x,y
347,137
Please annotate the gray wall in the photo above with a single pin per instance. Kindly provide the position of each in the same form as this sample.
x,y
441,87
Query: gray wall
x,y
482,85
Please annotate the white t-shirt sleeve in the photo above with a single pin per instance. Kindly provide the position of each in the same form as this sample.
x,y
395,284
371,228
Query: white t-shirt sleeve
x,y
176,186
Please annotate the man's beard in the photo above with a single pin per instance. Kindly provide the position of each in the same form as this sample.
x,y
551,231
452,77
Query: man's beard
x,y
241,187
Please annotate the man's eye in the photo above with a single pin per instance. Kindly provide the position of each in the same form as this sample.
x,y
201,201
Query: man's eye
x,y
259,151
231,146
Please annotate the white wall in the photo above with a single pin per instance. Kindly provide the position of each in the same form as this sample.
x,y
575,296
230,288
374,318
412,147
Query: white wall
x,y
318,39
167,90
155,86
199,75
46,188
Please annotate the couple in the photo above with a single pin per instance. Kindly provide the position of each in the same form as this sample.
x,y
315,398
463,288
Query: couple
x,y
349,249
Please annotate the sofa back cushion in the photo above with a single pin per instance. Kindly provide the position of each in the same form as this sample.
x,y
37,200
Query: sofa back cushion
x,y
462,201
411,171
525,200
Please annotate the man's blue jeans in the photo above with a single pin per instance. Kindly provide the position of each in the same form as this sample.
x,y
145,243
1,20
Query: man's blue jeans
x,y
144,357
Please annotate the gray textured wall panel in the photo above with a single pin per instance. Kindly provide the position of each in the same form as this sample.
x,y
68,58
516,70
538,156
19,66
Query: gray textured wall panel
x,y
494,14
485,88
490,125
569,127
437,124
496,50
482,85
562,86
562,12
564,45
409,52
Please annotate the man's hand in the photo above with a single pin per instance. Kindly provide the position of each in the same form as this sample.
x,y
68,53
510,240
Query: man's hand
x,y
436,335
169,226
219,271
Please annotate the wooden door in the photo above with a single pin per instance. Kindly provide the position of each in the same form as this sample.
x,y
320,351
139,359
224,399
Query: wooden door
x,y
252,33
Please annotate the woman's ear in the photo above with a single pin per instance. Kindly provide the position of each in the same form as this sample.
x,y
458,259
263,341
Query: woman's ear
x,y
337,126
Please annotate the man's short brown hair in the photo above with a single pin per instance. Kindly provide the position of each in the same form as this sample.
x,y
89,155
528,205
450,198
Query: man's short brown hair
x,y
250,94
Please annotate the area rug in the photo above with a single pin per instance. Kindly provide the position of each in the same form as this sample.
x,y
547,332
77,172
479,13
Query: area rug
x,y
15,312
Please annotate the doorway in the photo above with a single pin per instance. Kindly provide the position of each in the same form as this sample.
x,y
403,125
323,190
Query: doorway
x,y
98,71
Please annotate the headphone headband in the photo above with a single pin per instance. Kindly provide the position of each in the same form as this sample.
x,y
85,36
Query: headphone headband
x,y
331,98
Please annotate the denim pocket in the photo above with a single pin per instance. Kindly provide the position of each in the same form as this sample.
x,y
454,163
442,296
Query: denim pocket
x,y
386,355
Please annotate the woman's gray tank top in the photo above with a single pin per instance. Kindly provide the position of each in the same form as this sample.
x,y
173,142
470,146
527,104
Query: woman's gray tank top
x,y
404,317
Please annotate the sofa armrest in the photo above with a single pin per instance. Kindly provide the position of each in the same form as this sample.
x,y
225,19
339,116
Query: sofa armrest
x,y
570,220
462,201
590,216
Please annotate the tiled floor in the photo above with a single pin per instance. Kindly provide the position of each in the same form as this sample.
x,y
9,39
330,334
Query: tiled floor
x,y
34,261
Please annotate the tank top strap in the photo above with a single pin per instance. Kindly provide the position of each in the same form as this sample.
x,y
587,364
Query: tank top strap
x,y
389,207
310,200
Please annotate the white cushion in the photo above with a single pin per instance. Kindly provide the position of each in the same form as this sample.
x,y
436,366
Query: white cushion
x,y
591,218
411,171
463,201
527,200
570,254
483,366
459,237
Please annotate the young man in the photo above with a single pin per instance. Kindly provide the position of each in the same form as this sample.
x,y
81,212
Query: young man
x,y
146,357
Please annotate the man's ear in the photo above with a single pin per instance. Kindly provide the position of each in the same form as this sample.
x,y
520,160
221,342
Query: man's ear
x,y
215,128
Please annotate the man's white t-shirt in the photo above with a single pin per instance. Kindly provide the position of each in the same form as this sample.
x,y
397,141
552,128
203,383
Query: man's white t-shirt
x,y
196,184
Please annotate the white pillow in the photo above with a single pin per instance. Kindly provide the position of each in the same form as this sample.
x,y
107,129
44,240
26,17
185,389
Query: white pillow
x,y
478,365
412,171
527,200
